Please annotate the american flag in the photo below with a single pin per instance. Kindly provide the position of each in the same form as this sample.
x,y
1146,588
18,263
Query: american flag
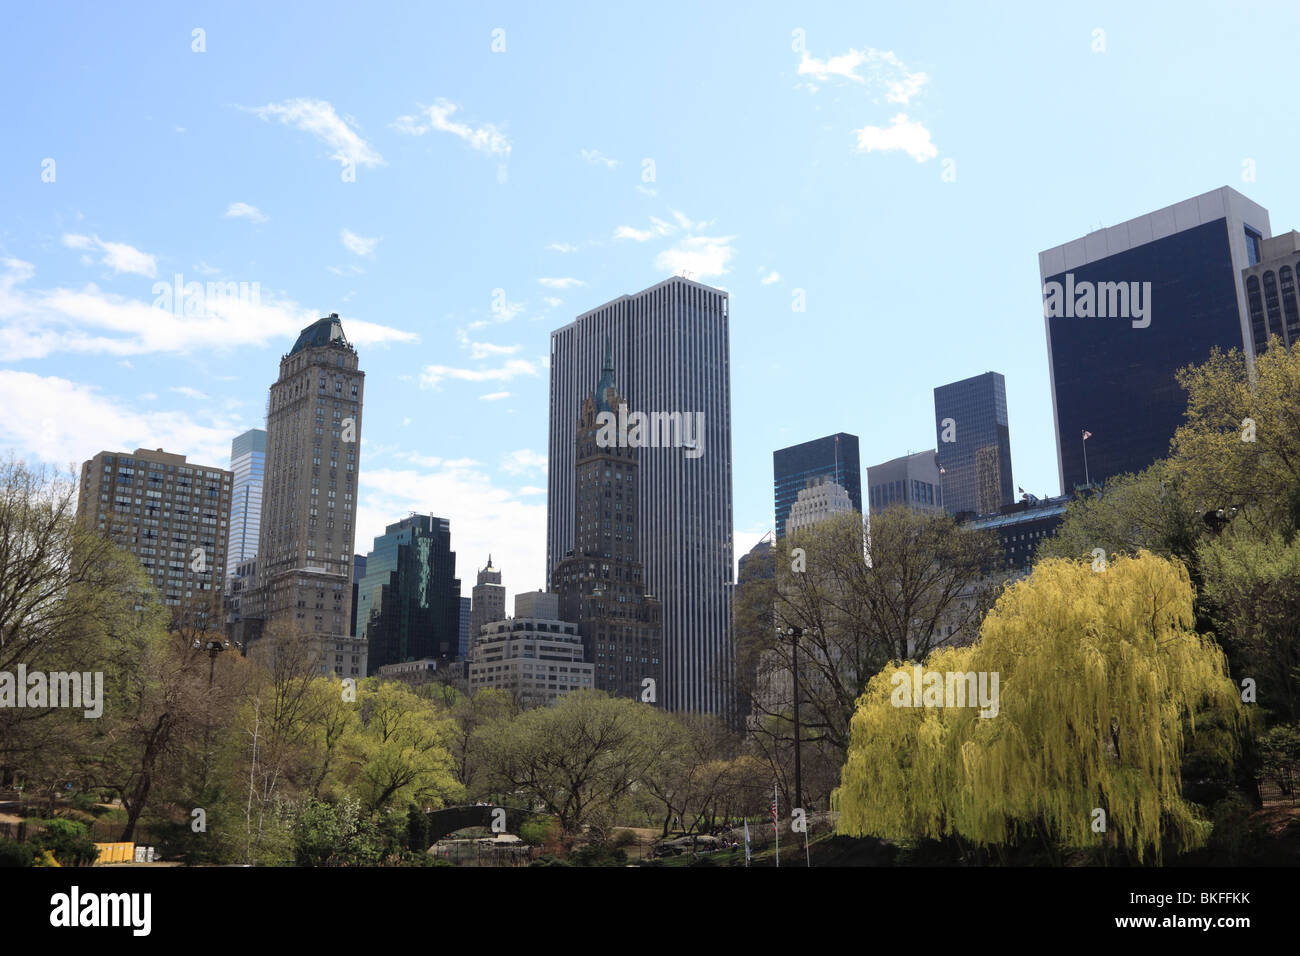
x,y
774,806
1087,435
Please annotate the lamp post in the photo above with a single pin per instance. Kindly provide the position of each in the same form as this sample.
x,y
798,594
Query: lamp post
x,y
213,648
794,633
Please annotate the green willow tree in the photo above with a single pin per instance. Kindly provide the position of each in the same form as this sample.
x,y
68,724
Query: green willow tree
x,y
1100,680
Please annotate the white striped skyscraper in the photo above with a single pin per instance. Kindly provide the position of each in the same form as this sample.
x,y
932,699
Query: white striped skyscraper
x,y
670,344
248,462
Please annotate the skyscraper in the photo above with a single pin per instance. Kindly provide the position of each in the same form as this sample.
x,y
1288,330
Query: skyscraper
x,y
602,586
822,498
248,464
489,600
974,443
466,643
408,604
173,516
670,343
834,457
912,480
1125,308
1271,289
304,554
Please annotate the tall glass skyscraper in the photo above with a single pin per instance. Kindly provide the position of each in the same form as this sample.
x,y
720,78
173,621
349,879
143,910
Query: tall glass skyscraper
x,y
974,444
834,457
248,463
408,603
671,345
1113,377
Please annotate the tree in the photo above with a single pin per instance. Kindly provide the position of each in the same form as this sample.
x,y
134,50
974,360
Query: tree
x,y
1100,677
1240,444
577,758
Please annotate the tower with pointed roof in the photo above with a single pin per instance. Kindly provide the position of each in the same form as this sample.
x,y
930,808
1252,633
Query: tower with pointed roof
x,y
309,501
488,600
602,584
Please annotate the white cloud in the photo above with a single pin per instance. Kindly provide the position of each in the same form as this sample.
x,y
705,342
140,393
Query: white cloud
x,y
553,302
646,190
188,392
596,158
484,139
358,245
901,134
562,247
58,421
433,375
204,269
318,118
242,210
35,323
494,396
658,228
883,71
482,350
771,277
564,283
701,256
118,256
523,461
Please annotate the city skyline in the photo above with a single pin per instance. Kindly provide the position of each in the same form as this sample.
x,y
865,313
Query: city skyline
x,y
430,139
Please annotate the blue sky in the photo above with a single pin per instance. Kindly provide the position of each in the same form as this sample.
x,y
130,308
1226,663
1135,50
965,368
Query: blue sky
x,y
791,149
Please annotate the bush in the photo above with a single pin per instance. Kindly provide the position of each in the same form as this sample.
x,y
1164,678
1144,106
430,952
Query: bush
x,y
13,853
68,842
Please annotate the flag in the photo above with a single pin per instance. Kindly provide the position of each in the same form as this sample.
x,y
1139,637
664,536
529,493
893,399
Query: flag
x,y
774,806
747,842
1087,435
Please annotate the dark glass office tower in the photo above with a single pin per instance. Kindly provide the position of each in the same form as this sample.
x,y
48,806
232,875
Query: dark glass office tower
x,y
409,600
834,457
1114,377
974,444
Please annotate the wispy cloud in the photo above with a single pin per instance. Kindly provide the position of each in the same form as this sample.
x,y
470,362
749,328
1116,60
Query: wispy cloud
x,y
875,69
318,118
118,256
35,323
494,396
561,283
701,256
242,210
523,461
771,277
487,138
433,375
596,158
562,247
358,245
902,135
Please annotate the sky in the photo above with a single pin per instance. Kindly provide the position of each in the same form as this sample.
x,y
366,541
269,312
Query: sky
x,y
456,181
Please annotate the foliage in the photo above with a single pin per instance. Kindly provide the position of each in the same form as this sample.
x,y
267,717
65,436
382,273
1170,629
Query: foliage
x,y
68,841
1280,753
17,853
1100,678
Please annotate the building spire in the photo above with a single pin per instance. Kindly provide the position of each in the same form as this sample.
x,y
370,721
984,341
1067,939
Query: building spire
x,y
489,564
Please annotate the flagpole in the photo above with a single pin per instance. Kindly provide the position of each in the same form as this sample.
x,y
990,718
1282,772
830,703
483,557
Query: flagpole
x,y
1084,442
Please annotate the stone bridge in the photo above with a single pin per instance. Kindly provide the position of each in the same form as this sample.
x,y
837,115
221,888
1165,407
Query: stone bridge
x,y
451,819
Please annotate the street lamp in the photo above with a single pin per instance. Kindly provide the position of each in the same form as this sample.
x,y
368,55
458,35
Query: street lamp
x,y
794,633
213,648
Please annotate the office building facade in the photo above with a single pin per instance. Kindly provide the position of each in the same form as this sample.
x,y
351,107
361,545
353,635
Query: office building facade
x,y
1125,308
488,602
974,444
466,608
248,465
834,457
174,516
671,345
408,603
822,498
912,480
1270,282
534,656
